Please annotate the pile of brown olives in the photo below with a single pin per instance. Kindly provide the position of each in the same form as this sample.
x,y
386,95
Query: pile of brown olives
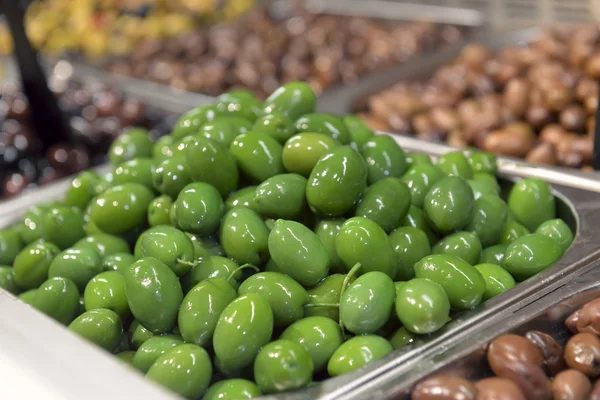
x,y
261,246
533,366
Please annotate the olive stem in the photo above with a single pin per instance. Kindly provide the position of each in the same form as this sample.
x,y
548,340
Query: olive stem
x,y
349,276
188,263
238,269
311,305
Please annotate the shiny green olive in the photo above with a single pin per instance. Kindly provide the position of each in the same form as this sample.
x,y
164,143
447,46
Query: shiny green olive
x,y
327,230
101,327
340,171
285,296
416,219
181,147
59,299
326,124
258,155
133,143
531,254
323,295
455,163
363,241
225,129
422,306
243,328
107,290
243,197
27,296
158,211
293,99
302,152
152,349
126,357
190,122
153,293
30,268
490,214
199,208
212,267
367,303
62,226
30,227
283,365
320,336
82,189
281,196
464,245
360,133
449,204
239,103
419,179
401,338
138,335
185,369
413,159
244,236
10,245
79,265
230,389
512,231
204,157
104,244
532,202
493,254
7,280
276,125
121,208
171,176
410,245
162,148
357,352
558,230
201,308
483,161
488,180
462,283
138,170
497,280
298,252
384,158
169,245
206,246
386,202
480,188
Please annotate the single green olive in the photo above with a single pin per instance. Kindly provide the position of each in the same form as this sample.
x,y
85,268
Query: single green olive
x,y
302,152
416,219
162,149
10,245
462,283
327,230
283,365
413,159
410,245
340,171
512,231
367,303
232,389
158,211
285,296
224,129
31,265
293,99
480,188
101,327
30,227
107,290
7,280
206,246
258,155
244,236
138,335
456,164
490,214
327,124
488,180
171,176
531,254
493,254
243,197
62,226
276,125
199,208
281,196
82,189
213,267
386,202
79,265
401,338
419,179
104,244
239,103
464,245
384,158
204,157
532,202
324,297
59,299
131,144
190,122
497,280
483,161
360,133
357,352
558,230
422,306
298,252
169,245
449,204
138,170
152,349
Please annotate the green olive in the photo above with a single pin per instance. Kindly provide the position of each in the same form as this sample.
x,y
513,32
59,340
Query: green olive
x,y
199,208
229,389
204,157
138,170
558,230
276,125
386,202
422,306
107,290
401,338
384,158
59,299
213,267
532,202
324,123
455,163
283,365
464,245
169,245
10,245
490,214
244,236
258,155
493,254
152,349
356,353
31,265
302,152
131,144
281,196
327,230
419,179
158,211
497,280
327,291
78,265
292,99
102,327
449,204
531,254
410,245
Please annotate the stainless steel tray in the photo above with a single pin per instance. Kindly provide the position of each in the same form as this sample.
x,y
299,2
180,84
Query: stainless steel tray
x,y
467,358
45,345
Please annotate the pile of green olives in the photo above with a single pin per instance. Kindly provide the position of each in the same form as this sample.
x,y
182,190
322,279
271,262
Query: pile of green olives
x,y
260,247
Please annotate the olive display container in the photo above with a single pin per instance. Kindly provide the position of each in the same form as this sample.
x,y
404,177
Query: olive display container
x,y
66,365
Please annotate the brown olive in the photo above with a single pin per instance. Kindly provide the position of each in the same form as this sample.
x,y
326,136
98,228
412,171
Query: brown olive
x,y
582,353
595,393
498,389
592,66
557,96
507,143
586,319
571,321
444,118
552,350
552,134
509,349
571,384
444,387
572,118
585,88
516,96
543,153
538,116
530,378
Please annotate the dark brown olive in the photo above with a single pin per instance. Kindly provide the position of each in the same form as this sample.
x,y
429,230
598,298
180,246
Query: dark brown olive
x,y
586,319
538,116
573,117
530,378
516,96
551,349
571,384
543,153
553,134
582,353
444,387
509,349
498,389
557,96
